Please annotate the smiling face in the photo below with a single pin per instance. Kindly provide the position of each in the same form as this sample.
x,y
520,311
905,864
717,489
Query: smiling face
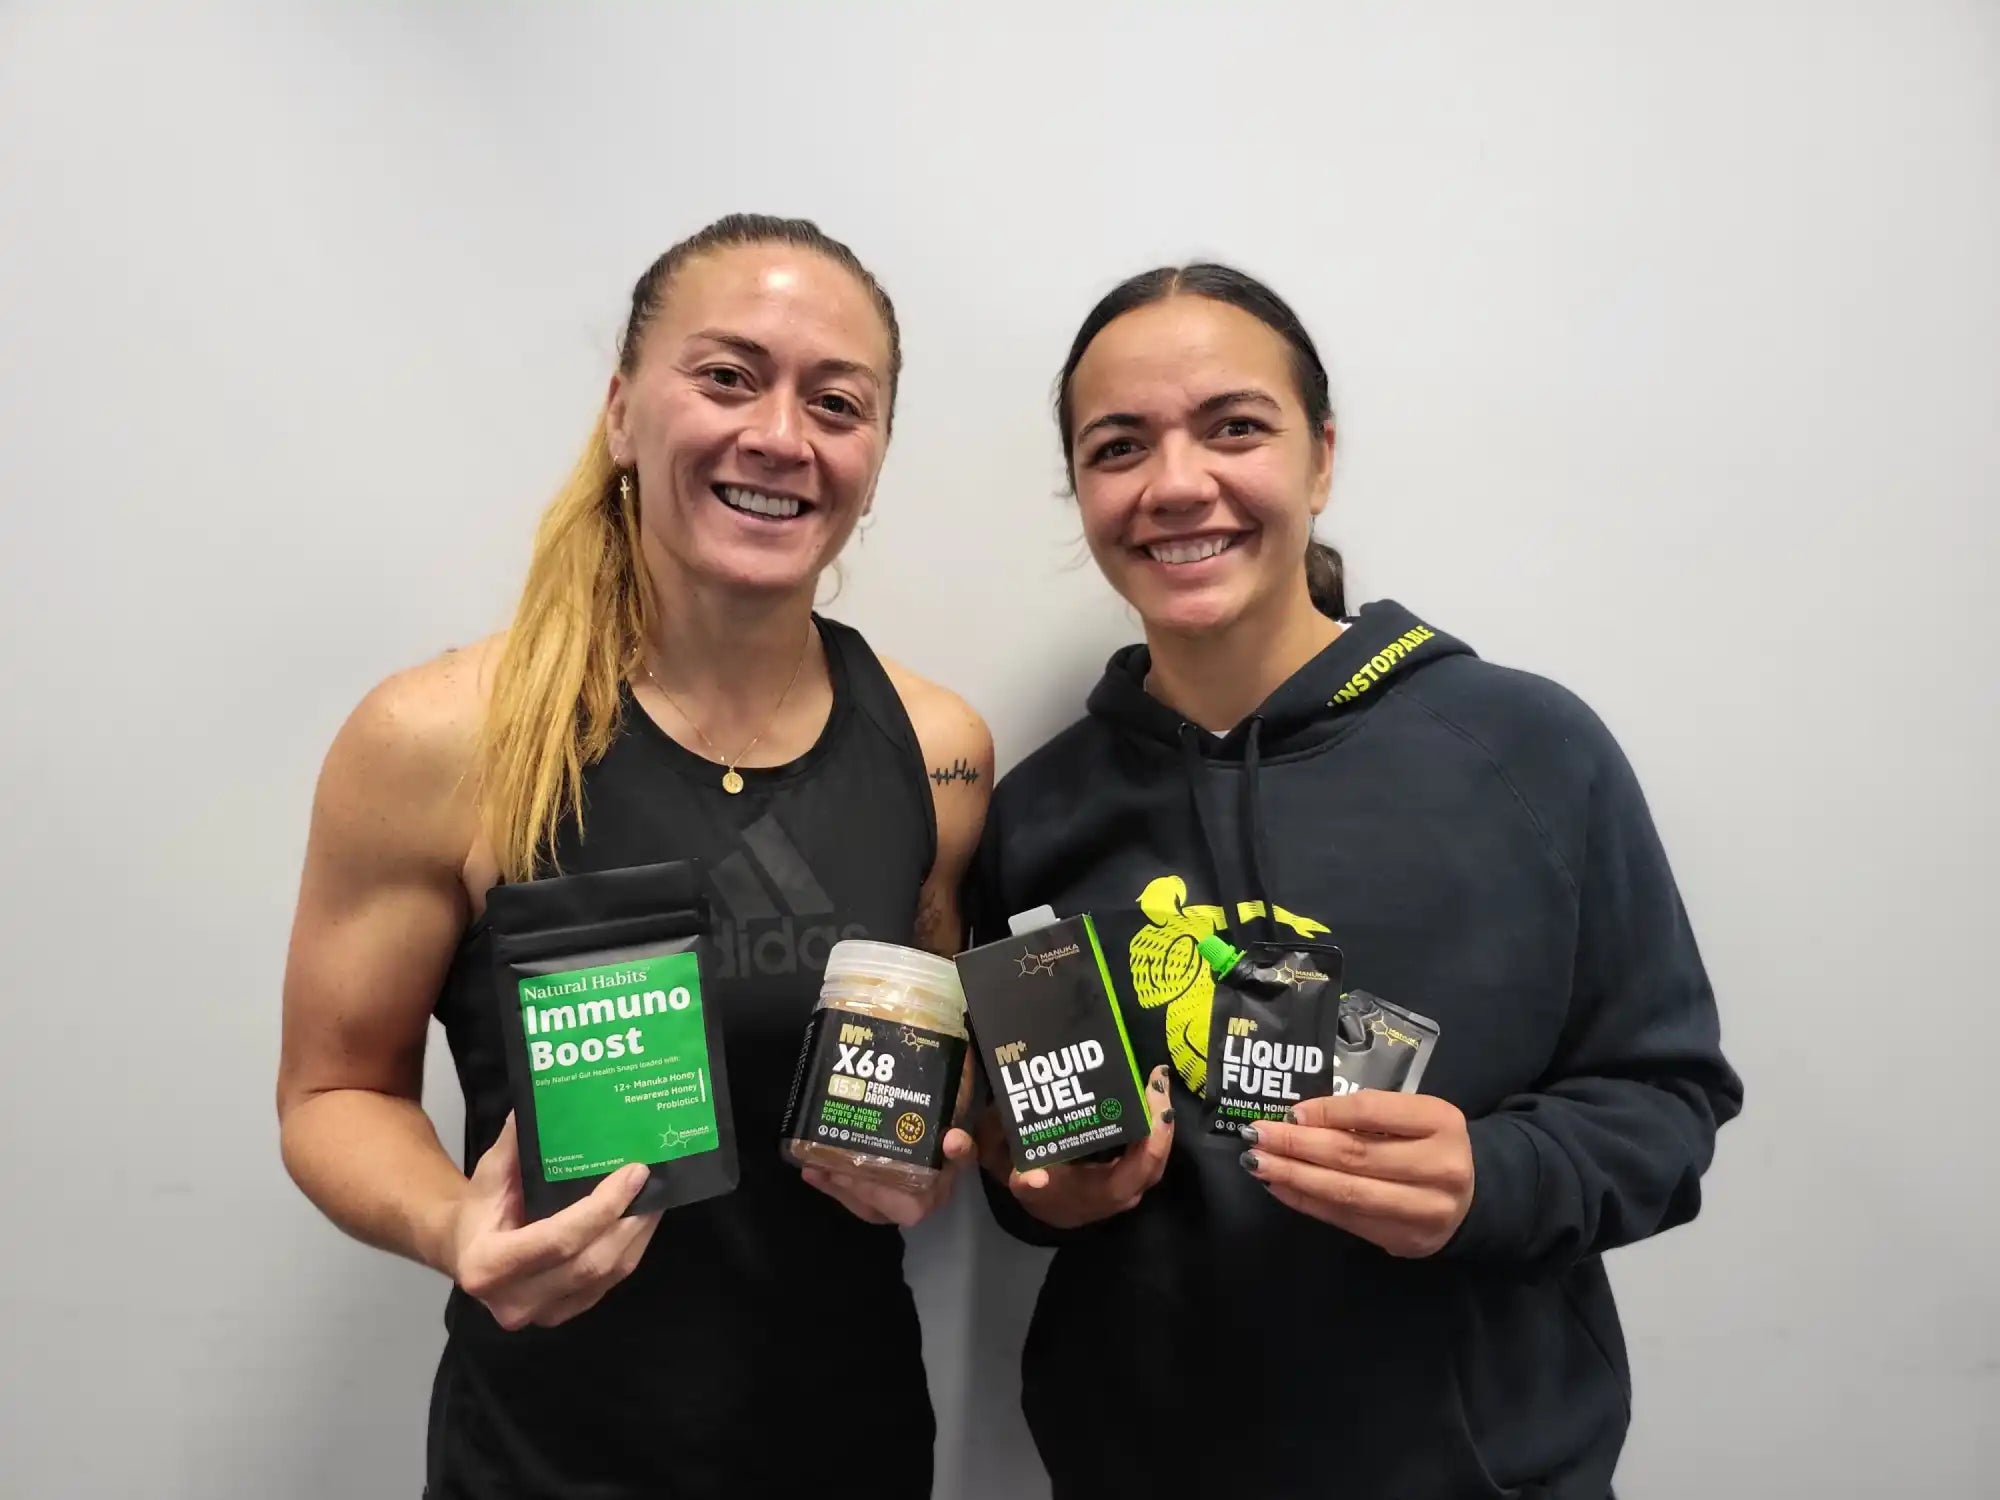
x,y
1198,473
755,416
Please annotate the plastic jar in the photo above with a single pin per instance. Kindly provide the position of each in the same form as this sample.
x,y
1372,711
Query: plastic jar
x,y
878,1076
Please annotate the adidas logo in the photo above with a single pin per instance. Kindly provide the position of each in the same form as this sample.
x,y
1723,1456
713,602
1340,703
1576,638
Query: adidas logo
x,y
757,938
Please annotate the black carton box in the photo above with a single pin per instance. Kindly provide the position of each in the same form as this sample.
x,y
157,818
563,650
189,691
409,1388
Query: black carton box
x,y
1051,1038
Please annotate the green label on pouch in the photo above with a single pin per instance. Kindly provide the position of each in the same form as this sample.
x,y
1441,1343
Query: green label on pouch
x,y
619,1059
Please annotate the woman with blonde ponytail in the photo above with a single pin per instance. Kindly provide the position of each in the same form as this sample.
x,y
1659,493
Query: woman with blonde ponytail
x,y
666,691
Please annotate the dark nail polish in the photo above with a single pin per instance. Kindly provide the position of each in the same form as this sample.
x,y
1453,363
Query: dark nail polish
x,y
1250,1161
1166,1117
1291,1117
1159,1083
1249,1134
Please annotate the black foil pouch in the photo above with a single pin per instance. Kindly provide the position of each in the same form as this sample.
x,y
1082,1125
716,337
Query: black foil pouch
x,y
612,1054
1380,1046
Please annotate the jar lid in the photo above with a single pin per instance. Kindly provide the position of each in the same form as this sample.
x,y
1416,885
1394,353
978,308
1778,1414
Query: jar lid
x,y
855,958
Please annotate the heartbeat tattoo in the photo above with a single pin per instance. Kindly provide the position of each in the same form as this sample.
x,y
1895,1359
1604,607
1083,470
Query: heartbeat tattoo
x,y
958,770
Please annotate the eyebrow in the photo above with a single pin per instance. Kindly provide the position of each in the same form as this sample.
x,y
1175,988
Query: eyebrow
x,y
751,349
1249,396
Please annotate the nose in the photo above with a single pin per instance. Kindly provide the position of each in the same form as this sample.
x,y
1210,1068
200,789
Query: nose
x,y
775,434
1180,480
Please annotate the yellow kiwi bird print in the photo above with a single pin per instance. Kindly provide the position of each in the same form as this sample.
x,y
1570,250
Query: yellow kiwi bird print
x,y
1167,968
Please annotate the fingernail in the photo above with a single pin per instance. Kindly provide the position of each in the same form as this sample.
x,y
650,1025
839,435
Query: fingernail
x,y
636,1173
1250,1161
1291,1117
1166,1117
1249,1134
1159,1083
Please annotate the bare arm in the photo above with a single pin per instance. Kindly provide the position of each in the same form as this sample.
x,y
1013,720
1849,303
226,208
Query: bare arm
x,y
958,757
382,905
391,868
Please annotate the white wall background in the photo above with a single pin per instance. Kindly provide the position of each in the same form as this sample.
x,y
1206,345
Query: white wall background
x,y
1665,342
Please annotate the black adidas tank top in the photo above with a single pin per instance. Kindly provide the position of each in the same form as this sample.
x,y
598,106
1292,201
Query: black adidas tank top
x,y
767,1343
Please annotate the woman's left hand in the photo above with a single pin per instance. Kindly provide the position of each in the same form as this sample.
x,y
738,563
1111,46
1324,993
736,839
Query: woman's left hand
x,y
881,1204
1392,1169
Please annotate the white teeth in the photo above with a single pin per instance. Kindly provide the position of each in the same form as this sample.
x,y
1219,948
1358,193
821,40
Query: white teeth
x,y
1191,551
758,504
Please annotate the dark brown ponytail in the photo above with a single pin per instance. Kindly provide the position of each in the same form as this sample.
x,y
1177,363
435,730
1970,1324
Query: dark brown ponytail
x,y
1326,580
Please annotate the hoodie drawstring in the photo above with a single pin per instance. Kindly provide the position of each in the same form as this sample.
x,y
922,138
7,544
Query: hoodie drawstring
x,y
1193,763
1255,849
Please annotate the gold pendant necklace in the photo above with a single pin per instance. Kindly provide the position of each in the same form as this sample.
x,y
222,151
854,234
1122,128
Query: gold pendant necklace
x,y
732,779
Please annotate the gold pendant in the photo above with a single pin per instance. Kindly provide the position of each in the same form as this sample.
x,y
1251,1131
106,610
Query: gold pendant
x,y
731,782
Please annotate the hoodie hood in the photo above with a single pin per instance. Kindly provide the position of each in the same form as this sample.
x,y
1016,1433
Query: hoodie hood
x,y
1381,647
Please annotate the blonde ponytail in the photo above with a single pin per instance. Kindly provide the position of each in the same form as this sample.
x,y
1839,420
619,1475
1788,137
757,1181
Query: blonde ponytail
x,y
577,634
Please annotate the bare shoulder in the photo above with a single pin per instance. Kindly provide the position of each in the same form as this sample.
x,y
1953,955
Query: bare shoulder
x,y
406,752
423,722
957,745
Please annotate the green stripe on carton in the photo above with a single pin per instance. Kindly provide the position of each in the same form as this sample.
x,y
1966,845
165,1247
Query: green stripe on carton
x,y
1118,1015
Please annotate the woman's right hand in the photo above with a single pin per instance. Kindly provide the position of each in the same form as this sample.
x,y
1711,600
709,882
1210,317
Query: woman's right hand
x,y
547,1272
1078,1193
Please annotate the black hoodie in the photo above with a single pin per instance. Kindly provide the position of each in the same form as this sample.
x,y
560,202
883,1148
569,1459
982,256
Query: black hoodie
x,y
1475,843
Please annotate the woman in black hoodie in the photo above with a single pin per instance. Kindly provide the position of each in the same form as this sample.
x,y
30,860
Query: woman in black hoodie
x,y
1399,1295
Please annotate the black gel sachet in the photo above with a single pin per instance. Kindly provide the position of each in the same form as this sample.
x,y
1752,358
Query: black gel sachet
x,y
1281,1031
1268,1023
